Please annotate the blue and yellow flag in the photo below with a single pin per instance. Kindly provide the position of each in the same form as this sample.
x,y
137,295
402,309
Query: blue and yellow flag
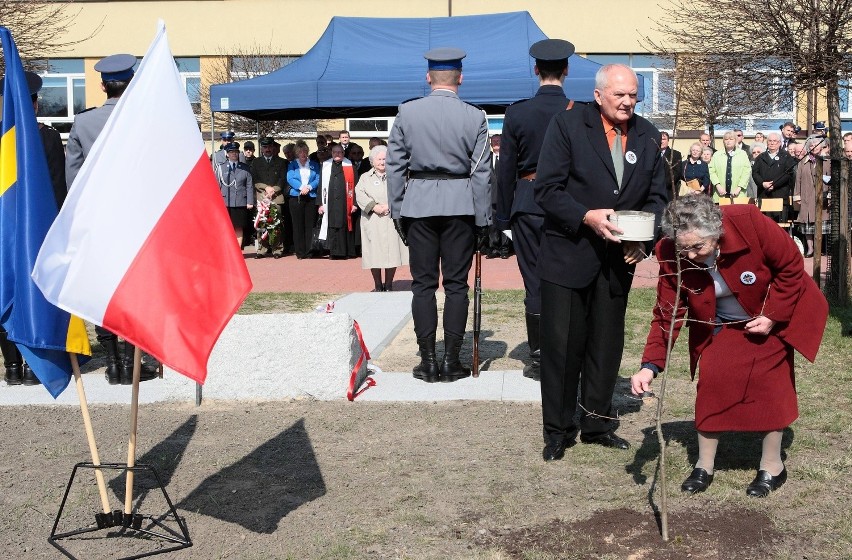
x,y
43,333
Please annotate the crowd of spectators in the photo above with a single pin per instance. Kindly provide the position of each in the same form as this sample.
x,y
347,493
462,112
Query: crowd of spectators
x,y
777,165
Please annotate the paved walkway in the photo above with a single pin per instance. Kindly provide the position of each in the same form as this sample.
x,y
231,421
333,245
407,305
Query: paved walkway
x,y
380,315
290,274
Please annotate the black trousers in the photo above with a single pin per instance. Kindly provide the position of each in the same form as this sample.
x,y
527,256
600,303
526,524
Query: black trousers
x,y
582,340
527,230
303,213
440,245
286,225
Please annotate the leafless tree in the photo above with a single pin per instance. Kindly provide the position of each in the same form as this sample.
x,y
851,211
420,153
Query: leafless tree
x,y
241,63
776,46
736,58
712,90
39,28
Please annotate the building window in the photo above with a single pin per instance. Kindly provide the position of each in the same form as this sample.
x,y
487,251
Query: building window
x,y
190,73
245,67
379,126
657,73
63,93
780,108
843,87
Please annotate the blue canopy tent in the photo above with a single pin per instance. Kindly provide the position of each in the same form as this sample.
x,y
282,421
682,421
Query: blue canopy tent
x,y
335,79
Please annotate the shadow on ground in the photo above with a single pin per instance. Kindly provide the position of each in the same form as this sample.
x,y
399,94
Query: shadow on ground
x,y
260,489
164,457
737,450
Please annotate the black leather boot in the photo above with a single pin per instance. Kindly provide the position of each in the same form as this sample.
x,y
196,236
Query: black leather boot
x,y
12,359
113,370
427,369
146,373
533,370
29,377
451,368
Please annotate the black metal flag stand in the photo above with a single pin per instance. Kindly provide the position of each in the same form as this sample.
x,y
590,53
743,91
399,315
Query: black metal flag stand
x,y
136,525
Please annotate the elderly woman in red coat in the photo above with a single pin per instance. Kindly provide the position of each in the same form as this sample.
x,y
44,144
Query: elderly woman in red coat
x,y
748,303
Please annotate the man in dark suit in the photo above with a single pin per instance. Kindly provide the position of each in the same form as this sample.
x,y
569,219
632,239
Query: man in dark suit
x,y
774,174
523,133
596,159
269,174
742,145
499,245
674,169
706,141
360,164
789,131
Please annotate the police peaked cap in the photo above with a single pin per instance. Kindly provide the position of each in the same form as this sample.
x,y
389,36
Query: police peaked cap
x,y
445,58
552,50
116,67
33,83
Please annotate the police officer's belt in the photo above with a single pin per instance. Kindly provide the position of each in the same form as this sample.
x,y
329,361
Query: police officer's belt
x,y
436,175
528,176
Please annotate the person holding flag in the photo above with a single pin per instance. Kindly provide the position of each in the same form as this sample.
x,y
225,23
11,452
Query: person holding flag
x,y
116,72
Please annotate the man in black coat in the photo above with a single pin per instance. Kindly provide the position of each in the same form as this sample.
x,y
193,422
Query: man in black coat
x,y
269,174
596,158
742,145
774,173
674,169
523,133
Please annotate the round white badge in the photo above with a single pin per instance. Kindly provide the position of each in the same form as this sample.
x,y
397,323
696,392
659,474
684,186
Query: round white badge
x,y
630,157
748,278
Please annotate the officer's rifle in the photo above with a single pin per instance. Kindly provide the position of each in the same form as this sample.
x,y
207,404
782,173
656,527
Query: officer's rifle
x,y
477,309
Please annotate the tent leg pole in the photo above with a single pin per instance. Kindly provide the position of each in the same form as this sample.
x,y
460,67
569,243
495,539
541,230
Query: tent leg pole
x,y
212,133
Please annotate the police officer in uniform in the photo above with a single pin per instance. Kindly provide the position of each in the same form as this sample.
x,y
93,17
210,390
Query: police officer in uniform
x,y
220,156
116,72
438,169
523,133
17,371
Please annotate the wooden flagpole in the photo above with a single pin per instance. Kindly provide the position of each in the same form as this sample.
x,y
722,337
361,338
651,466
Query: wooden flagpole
x,y
131,446
90,434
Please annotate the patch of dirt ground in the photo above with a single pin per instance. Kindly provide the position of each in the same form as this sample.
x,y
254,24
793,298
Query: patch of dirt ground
x,y
338,480
307,480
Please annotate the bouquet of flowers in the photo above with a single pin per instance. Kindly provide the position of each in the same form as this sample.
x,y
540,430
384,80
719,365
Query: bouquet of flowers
x,y
267,224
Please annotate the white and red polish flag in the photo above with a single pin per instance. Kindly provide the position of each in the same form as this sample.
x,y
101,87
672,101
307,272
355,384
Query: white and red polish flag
x,y
143,244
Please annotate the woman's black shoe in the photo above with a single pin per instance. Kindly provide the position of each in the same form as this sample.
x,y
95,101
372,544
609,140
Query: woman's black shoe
x,y
697,482
764,483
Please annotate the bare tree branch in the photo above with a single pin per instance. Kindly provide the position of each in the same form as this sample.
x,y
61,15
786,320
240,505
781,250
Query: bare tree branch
x,y
241,63
38,27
